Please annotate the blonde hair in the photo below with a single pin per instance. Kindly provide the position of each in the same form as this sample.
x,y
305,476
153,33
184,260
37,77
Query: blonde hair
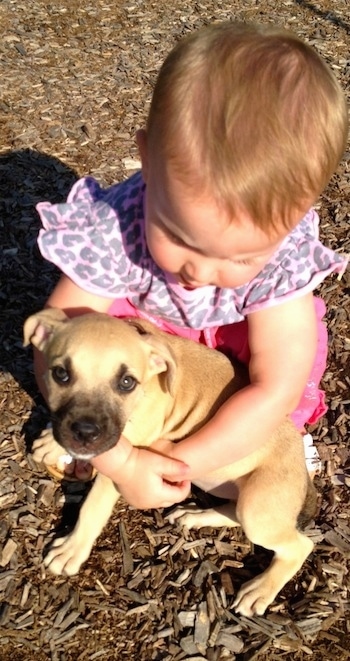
x,y
252,115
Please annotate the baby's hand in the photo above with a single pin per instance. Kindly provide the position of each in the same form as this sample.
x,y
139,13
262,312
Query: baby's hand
x,y
145,478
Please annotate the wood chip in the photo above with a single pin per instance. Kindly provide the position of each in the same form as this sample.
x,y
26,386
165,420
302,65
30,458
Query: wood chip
x,y
201,627
7,552
232,643
128,563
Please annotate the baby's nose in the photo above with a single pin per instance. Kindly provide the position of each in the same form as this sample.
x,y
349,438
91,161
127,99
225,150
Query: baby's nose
x,y
200,272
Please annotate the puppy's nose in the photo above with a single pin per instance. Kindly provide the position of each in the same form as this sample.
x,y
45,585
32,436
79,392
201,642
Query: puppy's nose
x,y
85,430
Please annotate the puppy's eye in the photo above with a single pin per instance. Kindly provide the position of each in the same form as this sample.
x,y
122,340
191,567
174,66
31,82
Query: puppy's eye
x,y
60,374
127,383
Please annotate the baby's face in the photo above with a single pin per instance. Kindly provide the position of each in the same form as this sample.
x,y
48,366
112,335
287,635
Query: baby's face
x,y
191,237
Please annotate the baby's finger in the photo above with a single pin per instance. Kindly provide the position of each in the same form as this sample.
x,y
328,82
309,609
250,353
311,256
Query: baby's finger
x,y
173,470
176,491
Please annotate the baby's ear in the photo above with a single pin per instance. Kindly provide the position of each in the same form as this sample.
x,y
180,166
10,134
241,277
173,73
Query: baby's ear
x,y
142,143
39,327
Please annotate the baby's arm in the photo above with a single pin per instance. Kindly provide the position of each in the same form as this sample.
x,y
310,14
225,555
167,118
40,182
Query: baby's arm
x,y
282,341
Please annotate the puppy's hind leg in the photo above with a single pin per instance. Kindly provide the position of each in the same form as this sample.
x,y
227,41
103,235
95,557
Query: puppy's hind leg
x,y
256,595
269,519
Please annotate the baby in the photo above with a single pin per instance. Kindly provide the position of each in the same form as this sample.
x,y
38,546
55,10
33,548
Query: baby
x,y
216,239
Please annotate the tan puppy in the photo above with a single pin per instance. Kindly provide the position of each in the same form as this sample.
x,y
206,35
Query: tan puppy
x,y
109,376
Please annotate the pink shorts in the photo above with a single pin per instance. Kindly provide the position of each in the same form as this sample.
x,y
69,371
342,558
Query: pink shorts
x,y
233,341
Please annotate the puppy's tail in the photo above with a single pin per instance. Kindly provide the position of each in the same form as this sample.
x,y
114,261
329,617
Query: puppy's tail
x,y
309,508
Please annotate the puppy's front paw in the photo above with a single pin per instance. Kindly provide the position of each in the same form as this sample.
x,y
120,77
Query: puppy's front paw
x,y
45,449
67,554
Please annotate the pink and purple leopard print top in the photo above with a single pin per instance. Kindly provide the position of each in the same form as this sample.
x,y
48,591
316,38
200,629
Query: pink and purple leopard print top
x,y
97,239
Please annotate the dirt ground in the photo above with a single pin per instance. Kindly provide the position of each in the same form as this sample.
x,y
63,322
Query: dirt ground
x,y
76,79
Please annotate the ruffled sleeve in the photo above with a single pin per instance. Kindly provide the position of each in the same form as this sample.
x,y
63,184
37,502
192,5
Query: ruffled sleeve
x,y
96,237
300,264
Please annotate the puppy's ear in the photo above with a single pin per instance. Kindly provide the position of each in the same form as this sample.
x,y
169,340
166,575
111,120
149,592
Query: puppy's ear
x,y
39,327
162,359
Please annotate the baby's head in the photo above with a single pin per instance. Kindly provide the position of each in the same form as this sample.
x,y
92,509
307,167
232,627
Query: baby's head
x,y
251,116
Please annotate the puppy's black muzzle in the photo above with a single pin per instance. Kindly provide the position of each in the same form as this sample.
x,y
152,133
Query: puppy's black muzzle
x,y
85,431
86,427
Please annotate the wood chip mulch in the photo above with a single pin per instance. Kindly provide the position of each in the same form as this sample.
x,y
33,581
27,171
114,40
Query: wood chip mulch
x,y
76,78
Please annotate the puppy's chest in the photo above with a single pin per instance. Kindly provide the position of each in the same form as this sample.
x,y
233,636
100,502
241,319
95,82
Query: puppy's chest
x,y
222,486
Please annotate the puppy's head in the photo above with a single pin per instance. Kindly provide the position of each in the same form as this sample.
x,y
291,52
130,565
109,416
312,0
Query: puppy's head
x,y
98,369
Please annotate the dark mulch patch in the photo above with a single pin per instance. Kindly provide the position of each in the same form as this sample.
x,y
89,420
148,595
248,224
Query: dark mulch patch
x,y
76,80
